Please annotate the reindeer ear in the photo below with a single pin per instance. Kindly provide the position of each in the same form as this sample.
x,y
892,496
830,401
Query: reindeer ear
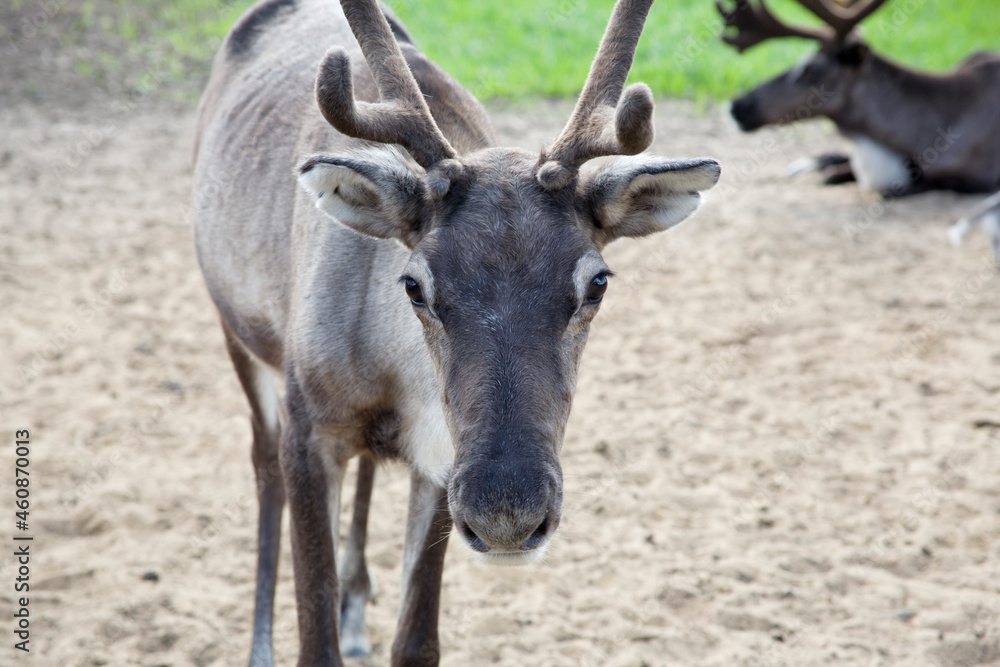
x,y
379,192
641,195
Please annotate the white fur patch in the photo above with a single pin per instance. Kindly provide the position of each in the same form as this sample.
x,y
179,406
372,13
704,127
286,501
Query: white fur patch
x,y
428,444
878,168
513,558
727,116
268,396
331,183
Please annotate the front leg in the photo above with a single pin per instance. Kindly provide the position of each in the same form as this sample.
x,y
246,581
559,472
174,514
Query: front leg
x,y
356,584
427,530
308,484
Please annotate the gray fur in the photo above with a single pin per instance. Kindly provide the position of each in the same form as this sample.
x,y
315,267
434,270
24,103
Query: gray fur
x,y
472,386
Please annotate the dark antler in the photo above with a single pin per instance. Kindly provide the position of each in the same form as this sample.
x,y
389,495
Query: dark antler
x,y
605,121
755,23
842,20
402,116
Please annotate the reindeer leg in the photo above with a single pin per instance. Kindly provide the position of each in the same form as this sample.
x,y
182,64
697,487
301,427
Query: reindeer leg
x,y
262,394
427,530
826,160
819,163
312,482
356,585
838,174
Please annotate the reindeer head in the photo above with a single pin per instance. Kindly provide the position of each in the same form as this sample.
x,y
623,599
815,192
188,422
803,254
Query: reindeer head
x,y
505,271
817,86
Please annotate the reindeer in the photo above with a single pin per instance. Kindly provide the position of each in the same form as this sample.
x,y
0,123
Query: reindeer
x,y
911,131
424,296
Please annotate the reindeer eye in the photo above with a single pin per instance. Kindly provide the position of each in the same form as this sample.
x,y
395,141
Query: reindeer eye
x,y
413,291
598,286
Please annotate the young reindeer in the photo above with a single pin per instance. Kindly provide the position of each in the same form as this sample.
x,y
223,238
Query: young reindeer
x,y
911,131
425,296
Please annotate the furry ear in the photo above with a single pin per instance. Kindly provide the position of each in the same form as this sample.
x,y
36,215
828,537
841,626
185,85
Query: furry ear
x,y
378,192
641,195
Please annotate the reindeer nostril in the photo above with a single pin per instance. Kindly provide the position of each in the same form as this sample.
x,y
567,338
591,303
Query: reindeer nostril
x,y
537,537
470,536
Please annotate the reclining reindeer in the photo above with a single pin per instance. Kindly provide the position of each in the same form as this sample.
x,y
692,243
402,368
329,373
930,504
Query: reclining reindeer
x,y
911,131
427,302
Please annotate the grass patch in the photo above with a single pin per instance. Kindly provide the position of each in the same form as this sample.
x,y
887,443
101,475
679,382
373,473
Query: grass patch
x,y
521,48
544,47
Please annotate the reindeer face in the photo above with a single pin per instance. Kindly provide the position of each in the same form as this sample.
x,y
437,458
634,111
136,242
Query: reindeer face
x,y
817,86
505,277
506,285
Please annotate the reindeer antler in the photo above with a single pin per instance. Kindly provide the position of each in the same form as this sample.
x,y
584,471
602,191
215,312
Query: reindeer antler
x,y
842,20
605,121
402,116
755,24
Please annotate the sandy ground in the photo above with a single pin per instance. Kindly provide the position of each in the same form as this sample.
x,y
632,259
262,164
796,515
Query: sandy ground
x,y
782,450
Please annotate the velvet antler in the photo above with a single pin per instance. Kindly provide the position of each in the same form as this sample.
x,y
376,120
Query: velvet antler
x,y
402,116
605,121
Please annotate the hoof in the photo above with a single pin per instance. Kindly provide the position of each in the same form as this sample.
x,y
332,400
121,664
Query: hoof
x,y
353,632
356,652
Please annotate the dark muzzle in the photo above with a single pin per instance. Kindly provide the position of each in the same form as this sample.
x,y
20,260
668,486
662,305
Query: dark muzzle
x,y
506,509
745,112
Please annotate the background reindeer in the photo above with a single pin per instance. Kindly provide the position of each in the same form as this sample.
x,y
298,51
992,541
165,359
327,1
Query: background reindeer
x,y
429,305
912,131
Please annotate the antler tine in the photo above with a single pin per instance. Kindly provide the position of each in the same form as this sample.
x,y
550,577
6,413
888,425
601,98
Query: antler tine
x,y
842,20
755,24
605,121
402,116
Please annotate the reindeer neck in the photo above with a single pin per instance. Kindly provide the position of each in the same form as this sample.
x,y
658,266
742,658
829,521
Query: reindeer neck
x,y
888,103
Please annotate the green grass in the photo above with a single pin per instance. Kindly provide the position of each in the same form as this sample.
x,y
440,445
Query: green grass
x,y
544,47
519,48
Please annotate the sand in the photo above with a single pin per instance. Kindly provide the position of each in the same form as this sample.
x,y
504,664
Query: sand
x,y
782,449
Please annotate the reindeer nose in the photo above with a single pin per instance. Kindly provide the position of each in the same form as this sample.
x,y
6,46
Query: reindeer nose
x,y
506,518
744,112
485,533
